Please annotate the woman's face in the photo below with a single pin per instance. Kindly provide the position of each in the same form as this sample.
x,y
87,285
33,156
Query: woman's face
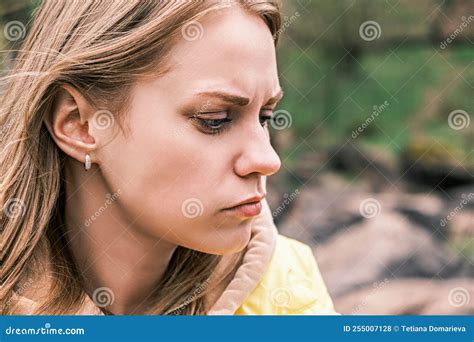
x,y
196,139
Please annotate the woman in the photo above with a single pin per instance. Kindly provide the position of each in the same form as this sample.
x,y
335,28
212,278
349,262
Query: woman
x,y
135,160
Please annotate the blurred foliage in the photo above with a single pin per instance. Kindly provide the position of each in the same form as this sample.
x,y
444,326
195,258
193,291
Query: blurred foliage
x,y
332,77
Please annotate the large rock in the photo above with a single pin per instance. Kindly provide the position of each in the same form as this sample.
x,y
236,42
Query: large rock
x,y
387,245
410,297
331,205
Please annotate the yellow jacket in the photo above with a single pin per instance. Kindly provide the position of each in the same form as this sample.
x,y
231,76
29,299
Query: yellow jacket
x,y
292,284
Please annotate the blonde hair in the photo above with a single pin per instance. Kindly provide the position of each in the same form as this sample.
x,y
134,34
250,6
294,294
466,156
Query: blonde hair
x,y
100,48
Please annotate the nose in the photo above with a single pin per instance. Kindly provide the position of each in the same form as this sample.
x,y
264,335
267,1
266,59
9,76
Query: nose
x,y
257,154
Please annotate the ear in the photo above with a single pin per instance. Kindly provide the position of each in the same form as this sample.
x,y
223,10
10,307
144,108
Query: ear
x,y
68,123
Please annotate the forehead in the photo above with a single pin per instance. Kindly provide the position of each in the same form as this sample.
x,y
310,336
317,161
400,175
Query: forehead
x,y
229,47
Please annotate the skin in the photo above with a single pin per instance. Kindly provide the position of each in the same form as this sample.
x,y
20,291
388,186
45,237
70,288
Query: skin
x,y
165,158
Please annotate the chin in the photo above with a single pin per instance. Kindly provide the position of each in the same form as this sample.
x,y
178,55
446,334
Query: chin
x,y
232,241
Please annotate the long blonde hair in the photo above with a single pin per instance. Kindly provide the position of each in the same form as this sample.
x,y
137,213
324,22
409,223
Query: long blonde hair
x,y
100,48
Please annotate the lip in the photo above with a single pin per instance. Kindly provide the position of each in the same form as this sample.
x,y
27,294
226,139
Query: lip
x,y
253,199
247,208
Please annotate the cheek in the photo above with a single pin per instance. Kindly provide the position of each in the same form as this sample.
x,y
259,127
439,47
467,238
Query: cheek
x,y
172,185
165,169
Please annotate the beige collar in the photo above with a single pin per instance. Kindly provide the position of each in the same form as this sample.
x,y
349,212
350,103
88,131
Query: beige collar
x,y
255,261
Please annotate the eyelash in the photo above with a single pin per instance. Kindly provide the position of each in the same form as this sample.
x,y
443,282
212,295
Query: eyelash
x,y
206,124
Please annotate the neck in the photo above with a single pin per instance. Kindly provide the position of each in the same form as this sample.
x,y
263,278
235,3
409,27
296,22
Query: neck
x,y
119,265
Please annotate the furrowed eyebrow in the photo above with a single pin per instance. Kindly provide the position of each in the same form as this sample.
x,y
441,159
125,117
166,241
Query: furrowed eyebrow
x,y
227,97
239,100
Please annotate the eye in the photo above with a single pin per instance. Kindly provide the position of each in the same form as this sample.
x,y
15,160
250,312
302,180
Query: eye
x,y
213,126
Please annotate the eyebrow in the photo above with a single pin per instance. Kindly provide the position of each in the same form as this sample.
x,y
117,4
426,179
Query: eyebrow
x,y
239,100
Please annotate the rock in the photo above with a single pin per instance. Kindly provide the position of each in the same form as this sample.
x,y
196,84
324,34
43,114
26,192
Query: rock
x,y
461,226
321,210
385,246
410,297
332,205
426,162
458,218
425,210
367,163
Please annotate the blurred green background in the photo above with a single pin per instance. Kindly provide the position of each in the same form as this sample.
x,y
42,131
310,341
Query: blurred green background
x,y
332,77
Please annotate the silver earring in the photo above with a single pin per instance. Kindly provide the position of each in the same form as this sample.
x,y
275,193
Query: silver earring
x,y
88,162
